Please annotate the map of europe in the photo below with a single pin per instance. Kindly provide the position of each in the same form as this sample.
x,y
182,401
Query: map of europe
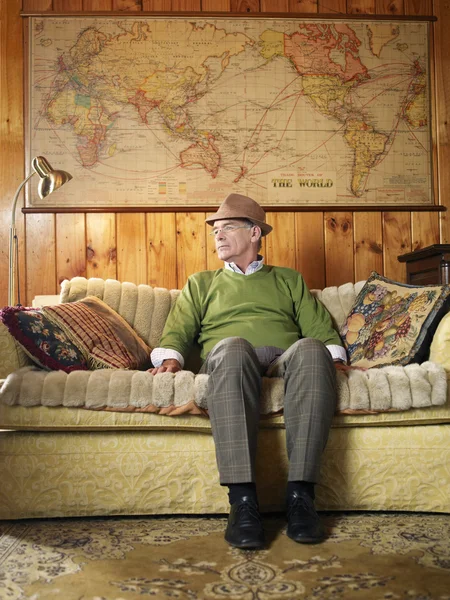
x,y
182,111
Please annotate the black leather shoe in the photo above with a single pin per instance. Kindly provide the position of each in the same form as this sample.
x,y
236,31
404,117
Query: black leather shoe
x,y
244,529
304,524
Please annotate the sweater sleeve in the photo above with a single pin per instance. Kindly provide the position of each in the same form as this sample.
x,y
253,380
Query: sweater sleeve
x,y
312,317
183,322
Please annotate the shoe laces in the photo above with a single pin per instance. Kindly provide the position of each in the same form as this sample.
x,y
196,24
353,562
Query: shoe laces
x,y
300,503
251,510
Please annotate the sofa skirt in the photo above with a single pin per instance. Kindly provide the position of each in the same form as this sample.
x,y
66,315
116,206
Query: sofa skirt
x,y
98,473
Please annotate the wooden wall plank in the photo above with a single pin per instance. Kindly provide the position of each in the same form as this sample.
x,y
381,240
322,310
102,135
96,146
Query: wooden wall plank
x,y
97,5
216,5
243,6
360,7
41,256
67,5
186,5
280,243
157,5
338,248
389,7
11,139
336,6
131,247
127,5
275,6
303,6
397,240
420,7
368,241
191,245
162,250
212,260
310,249
101,251
71,246
442,94
424,229
38,5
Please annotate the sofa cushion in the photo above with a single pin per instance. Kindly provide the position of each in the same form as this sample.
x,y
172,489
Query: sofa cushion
x,y
361,392
392,323
101,334
60,418
44,341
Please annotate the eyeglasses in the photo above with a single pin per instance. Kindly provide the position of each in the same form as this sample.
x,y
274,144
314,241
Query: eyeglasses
x,y
228,229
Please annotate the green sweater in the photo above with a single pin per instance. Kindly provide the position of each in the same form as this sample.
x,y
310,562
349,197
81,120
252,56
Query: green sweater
x,y
272,307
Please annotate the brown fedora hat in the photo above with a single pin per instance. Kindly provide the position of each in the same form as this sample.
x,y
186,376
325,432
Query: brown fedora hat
x,y
236,206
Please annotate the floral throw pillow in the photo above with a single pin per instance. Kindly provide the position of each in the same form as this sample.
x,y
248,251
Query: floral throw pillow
x,y
393,323
45,342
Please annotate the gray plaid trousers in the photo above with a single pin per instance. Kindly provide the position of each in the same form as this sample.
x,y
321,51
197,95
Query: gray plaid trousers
x,y
234,389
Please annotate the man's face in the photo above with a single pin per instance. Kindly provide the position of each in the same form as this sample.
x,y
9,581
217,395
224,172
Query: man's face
x,y
236,243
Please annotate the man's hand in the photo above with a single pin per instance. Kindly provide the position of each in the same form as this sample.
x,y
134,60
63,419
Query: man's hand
x,y
170,365
340,366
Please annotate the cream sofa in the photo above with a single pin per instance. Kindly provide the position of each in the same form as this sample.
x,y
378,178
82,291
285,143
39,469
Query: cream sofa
x,y
108,449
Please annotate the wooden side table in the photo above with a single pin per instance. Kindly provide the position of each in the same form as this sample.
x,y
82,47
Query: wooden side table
x,y
428,265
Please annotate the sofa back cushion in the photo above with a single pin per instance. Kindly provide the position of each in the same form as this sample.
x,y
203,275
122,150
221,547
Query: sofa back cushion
x,y
145,308
338,300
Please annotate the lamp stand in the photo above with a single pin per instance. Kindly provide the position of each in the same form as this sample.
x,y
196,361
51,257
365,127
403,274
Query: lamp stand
x,y
13,244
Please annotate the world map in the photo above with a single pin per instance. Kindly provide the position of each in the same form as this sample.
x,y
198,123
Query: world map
x,y
182,111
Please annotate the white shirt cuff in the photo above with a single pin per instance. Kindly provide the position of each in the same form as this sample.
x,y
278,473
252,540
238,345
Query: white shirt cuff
x,y
159,355
337,352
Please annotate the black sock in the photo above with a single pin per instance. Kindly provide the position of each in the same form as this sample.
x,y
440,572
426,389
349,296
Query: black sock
x,y
237,490
301,487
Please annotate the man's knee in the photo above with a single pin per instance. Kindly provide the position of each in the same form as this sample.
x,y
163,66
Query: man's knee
x,y
234,348
309,350
234,344
311,345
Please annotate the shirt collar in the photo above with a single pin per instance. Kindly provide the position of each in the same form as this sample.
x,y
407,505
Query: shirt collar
x,y
256,265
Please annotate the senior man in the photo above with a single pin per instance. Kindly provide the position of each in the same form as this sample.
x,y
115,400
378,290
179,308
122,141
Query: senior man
x,y
250,320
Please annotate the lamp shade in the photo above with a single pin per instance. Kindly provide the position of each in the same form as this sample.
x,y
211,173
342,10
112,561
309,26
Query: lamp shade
x,y
51,179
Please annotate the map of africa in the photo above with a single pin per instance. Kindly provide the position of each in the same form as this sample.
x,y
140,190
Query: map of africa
x,y
180,112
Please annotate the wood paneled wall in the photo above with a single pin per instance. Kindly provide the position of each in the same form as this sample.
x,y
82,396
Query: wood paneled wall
x,y
328,247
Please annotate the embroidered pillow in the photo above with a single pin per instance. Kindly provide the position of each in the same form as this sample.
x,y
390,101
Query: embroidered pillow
x,y
392,323
104,337
43,341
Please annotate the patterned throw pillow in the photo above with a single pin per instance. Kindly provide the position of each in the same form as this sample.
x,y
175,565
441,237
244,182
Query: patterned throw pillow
x,y
104,337
45,342
393,323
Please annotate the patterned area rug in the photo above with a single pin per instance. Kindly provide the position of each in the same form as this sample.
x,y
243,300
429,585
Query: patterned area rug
x,y
380,556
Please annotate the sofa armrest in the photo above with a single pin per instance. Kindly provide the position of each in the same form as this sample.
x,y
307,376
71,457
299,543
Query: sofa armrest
x,y
39,301
440,344
12,357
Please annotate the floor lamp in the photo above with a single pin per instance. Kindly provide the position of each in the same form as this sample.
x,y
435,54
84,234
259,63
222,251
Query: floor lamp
x,y
50,180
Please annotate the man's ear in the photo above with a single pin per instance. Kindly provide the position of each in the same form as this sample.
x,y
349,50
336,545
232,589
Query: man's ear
x,y
257,233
